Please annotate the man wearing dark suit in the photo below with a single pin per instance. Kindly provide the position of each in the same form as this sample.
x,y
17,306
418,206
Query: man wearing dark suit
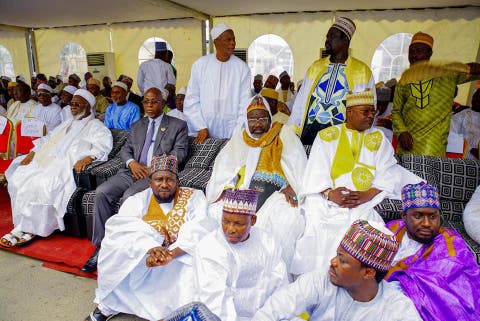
x,y
134,98
152,135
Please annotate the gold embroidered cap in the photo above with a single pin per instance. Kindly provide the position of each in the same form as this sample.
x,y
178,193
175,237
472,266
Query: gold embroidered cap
x,y
164,163
364,98
421,37
243,202
269,93
257,104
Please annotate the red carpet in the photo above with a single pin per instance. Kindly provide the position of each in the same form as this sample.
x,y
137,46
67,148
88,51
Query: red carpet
x,y
58,251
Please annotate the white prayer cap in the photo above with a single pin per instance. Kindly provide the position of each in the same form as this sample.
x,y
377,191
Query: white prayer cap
x,y
163,91
45,87
283,74
21,78
258,77
87,95
59,77
182,91
219,29
121,85
7,78
70,89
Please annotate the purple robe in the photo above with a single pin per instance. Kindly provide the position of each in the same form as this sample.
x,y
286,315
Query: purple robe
x,y
442,278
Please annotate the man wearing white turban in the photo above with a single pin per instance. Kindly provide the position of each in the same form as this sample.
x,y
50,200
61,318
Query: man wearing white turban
x,y
46,111
41,183
218,90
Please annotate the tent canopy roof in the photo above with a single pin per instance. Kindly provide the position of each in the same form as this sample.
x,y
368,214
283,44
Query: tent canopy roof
x,y
54,13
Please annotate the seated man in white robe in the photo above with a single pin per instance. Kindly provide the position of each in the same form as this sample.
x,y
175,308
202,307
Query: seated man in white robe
x,y
270,159
21,108
41,183
237,267
350,170
353,288
144,265
47,112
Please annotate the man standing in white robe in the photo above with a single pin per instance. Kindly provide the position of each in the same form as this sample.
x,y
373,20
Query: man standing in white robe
x,y
353,288
270,159
145,260
47,112
351,169
218,90
238,267
41,183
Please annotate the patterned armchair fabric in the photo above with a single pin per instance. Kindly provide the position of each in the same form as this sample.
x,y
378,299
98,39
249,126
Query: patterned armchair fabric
x,y
456,180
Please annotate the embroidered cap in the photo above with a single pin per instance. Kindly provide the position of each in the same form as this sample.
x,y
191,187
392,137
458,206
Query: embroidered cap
x,y
269,93
242,202
364,98
424,38
164,163
257,104
271,80
160,46
345,25
383,93
373,246
420,195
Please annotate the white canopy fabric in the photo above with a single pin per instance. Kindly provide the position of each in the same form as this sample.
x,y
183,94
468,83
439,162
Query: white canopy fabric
x,y
122,26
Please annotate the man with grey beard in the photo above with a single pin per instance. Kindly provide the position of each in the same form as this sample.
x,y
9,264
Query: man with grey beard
x,y
41,183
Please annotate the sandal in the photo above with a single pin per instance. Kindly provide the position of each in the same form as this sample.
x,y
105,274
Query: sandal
x,y
26,239
9,240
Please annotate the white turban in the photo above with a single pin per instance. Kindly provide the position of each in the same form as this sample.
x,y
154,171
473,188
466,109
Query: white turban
x,y
121,85
70,89
218,30
22,78
182,91
87,95
45,87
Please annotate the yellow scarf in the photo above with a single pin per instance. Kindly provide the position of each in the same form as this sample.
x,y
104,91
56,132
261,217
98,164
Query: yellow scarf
x,y
171,221
271,154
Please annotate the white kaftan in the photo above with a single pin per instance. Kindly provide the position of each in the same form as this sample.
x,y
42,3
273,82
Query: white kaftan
x,y
325,221
20,110
40,191
217,96
177,114
154,73
276,216
471,216
467,123
234,280
50,115
313,292
125,283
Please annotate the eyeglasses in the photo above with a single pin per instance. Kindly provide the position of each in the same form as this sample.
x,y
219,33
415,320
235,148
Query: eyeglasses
x,y
75,104
152,102
261,121
366,112
44,94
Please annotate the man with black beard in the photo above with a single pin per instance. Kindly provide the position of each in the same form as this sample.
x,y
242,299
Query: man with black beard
x,y
321,101
144,262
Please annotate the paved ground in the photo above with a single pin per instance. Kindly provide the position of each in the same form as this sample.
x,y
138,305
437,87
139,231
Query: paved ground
x,y
30,292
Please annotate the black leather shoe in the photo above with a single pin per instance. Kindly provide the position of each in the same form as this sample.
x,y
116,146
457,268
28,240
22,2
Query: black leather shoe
x,y
91,264
97,315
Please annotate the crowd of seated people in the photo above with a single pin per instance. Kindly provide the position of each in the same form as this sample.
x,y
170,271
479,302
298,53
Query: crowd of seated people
x,y
277,235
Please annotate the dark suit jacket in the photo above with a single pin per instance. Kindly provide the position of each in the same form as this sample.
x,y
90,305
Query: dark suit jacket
x,y
171,139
